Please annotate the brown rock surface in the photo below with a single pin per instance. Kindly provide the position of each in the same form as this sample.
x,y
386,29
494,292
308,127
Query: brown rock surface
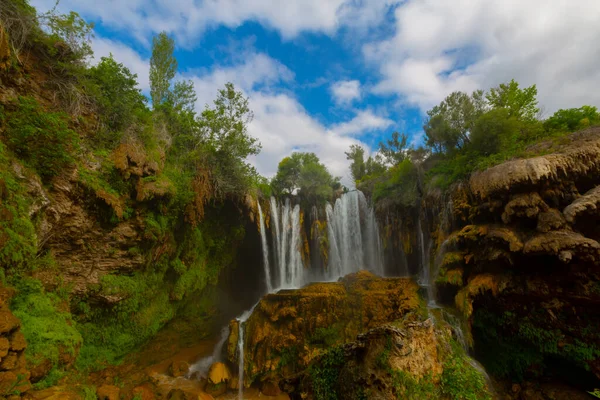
x,y
108,392
578,159
303,321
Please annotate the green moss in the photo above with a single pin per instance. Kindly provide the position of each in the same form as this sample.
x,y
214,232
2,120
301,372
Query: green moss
x,y
47,329
325,373
460,380
326,337
17,232
408,387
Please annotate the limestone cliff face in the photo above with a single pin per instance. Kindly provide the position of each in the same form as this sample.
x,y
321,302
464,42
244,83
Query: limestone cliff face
x,y
362,337
524,264
289,328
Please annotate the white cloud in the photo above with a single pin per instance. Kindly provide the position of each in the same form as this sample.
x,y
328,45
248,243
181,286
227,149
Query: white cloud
x,y
442,46
344,92
188,19
364,121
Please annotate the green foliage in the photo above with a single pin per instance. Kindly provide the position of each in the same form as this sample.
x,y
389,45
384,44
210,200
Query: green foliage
x,y
493,131
399,186
595,393
382,360
17,233
326,337
42,139
356,155
573,119
117,95
448,124
460,379
163,66
520,103
46,328
519,345
394,150
289,357
325,373
408,387
88,392
304,174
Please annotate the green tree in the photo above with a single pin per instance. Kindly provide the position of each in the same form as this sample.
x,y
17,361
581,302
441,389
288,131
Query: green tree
x,y
394,150
494,130
356,155
573,119
224,142
305,175
521,103
116,92
448,124
163,66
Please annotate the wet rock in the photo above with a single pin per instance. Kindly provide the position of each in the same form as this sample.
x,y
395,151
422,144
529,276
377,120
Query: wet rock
x,y
108,392
145,391
216,390
270,388
4,346
17,342
8,322
9,361
218,373
179,368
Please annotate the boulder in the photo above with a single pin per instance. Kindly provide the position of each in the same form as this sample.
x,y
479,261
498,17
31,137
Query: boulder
x,y
218,373
178,368
18,342
4,346
8,322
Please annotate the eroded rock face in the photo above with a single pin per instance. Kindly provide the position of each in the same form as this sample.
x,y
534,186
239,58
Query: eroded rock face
x,y
525,266
289,328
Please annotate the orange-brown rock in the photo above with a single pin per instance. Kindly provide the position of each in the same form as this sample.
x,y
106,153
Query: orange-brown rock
x,y
4,346
178,368
108,392
8,322
144,392
17,342
218,373
270,388
298,323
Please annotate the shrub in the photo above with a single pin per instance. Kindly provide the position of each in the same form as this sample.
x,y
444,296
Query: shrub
x,y
42,139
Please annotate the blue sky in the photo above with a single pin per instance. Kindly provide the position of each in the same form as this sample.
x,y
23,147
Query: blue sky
x,y
324,74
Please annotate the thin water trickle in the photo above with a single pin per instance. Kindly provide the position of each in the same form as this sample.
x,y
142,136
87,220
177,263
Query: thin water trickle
x,y
202,366
241,321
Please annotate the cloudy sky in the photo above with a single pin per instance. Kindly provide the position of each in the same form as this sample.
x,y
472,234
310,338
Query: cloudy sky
x,y
324,74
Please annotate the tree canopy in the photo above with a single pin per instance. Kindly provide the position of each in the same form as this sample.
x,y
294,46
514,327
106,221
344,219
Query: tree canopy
x,y
163,66
303,174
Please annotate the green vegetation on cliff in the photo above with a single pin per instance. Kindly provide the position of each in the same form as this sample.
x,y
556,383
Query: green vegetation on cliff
x,y
174,177
463,134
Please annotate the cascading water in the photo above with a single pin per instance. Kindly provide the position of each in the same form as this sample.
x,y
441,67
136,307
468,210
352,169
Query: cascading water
x,y
265,249
352,233
204,364
241,321
354,241
354,244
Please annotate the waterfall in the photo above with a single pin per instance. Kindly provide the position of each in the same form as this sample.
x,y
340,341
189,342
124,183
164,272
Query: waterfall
x,y
204,364
354,241
241,321
265,249
352,233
